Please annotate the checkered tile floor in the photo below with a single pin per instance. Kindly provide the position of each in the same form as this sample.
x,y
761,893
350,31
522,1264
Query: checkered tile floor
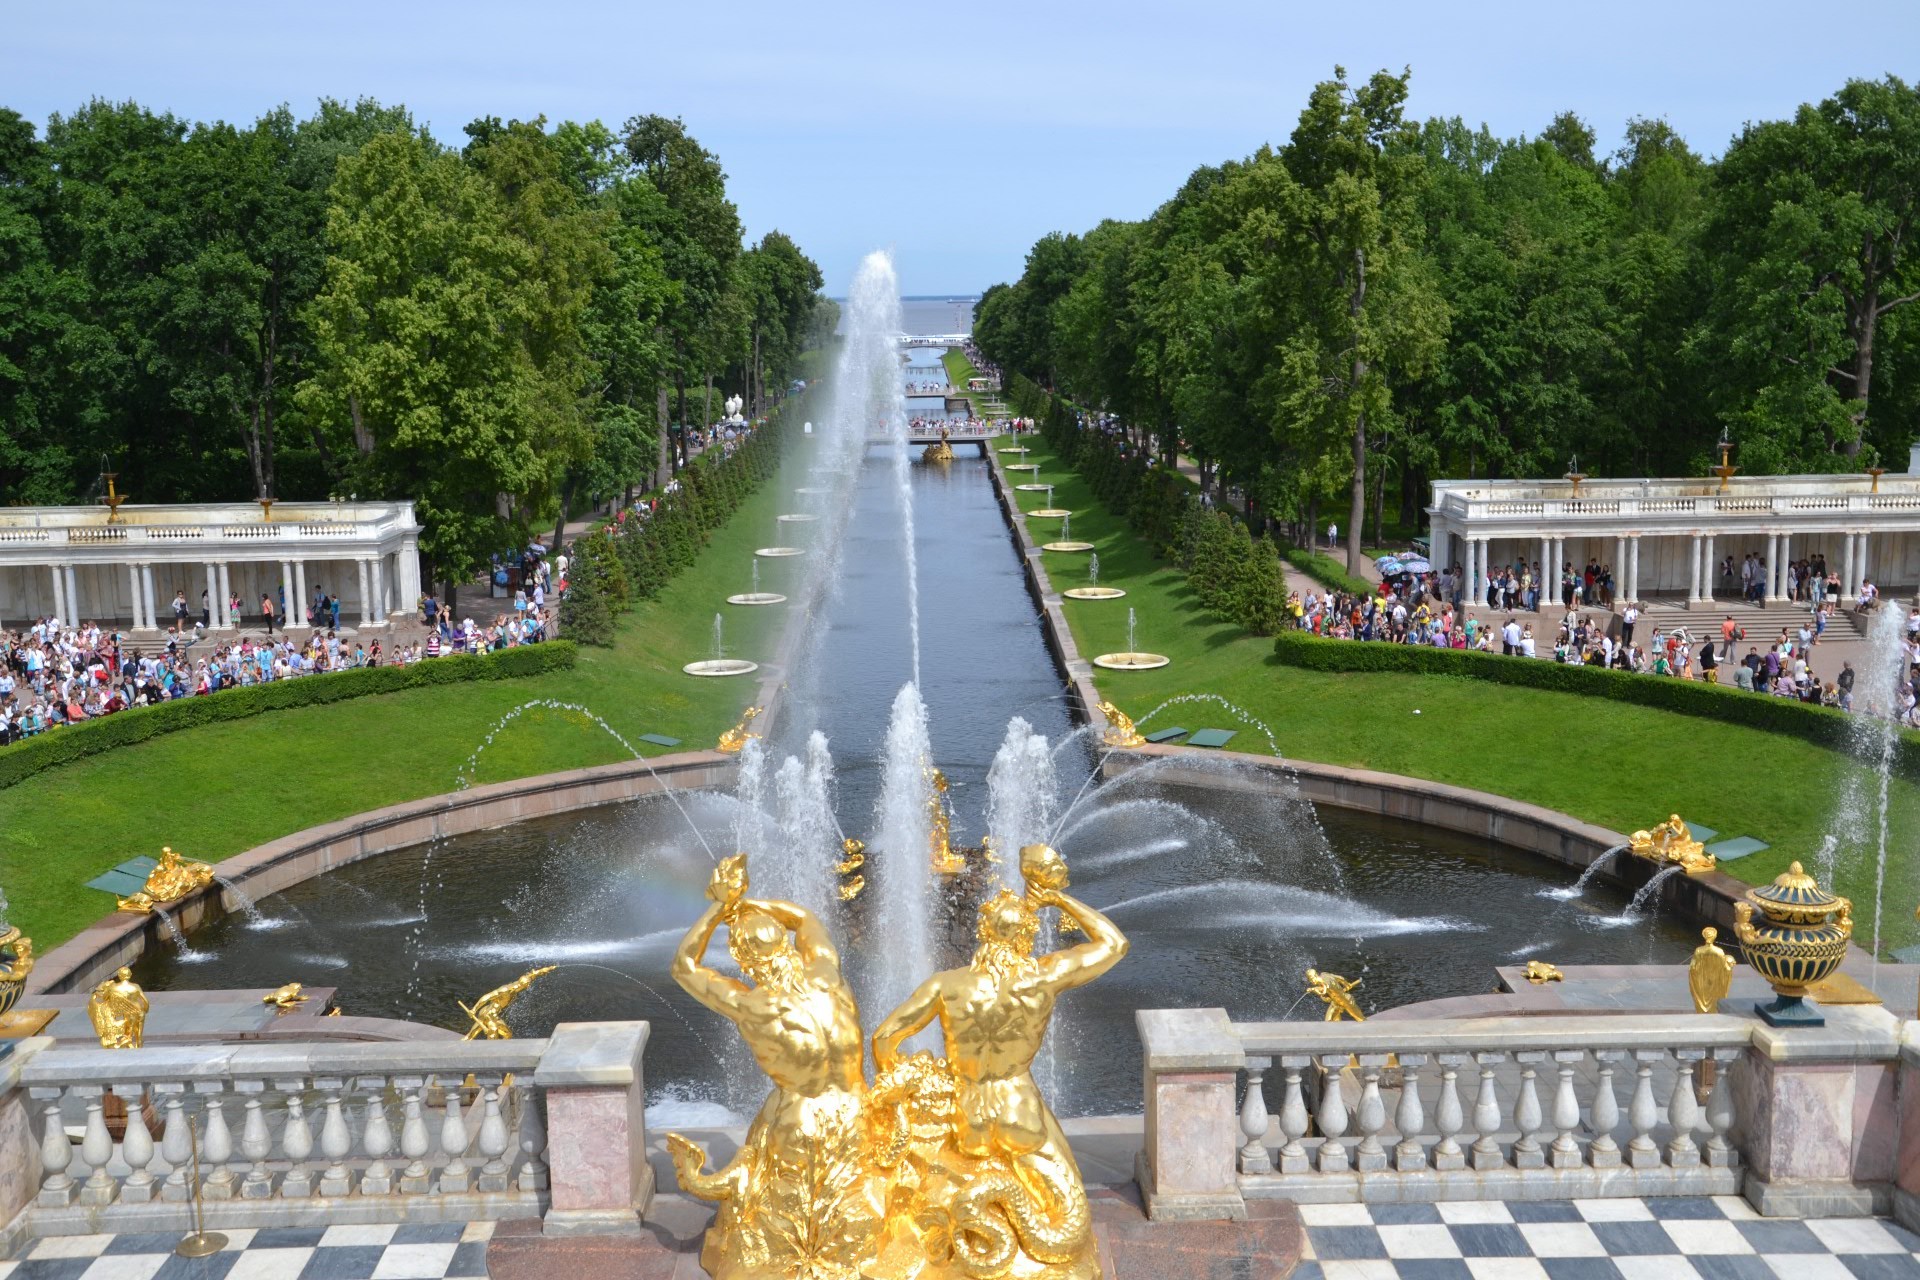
x,y
1683,1238
422,1251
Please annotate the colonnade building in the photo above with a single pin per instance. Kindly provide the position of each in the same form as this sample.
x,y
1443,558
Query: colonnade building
x,y
123,566
1667,540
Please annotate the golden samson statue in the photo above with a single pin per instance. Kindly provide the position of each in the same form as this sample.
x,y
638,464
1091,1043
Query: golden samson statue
x,y
171,879
948,1166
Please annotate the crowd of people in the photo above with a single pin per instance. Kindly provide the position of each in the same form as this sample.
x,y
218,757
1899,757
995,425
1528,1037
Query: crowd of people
x,y
1429,609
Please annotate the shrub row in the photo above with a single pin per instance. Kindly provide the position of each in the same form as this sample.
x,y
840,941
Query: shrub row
x,y
1325,570
1824,725
137,724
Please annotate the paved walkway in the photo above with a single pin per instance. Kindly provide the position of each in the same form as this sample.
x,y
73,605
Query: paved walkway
x,y
415,1251
1679,1238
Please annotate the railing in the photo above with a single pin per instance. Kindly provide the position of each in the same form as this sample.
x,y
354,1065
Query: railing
x,y
1538,1107
1863,504
291,1133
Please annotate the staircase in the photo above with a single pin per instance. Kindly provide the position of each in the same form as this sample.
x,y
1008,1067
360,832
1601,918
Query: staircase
x,y
1763,622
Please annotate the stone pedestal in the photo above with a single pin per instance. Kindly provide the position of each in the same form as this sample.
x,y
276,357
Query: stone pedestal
x,y
595,1090
1193,1062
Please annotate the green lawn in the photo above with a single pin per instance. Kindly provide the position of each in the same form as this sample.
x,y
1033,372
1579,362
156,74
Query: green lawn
x,y
215,791
1622,766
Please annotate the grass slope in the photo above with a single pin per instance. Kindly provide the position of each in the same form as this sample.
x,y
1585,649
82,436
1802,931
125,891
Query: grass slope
x,y
1622,766
215,791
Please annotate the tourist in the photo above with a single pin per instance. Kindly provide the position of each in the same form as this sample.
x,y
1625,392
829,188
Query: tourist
x,y
1629,616
266,612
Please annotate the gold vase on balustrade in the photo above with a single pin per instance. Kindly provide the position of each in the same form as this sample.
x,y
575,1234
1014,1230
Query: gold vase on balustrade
x,y
1800,941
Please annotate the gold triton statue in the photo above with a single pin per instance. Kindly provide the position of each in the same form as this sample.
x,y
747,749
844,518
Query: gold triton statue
x,y
737,737
170,880
285,998
998,1192
940,451
118,1010
1540,972
856,857
1670,842
804,1198
1119,731
1710,973
489,1012
946,861
1337,992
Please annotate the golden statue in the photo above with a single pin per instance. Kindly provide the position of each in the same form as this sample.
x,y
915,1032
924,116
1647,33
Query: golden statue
x,y
737,737
1671,842
803,1199
285,998
850,889
1710,973
856,855
1119,731
946,861
14,972
170,880
1336,991
941,451
489,1012
998,1192
118,1010
1539,973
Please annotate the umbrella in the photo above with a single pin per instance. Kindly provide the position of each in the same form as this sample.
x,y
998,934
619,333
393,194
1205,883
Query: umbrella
x,y
1389,566
1381,561
1416,564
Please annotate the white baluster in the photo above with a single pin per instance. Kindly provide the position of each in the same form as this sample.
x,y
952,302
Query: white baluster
x,y
216,1146
336,1139
533,1139
297,1142
1408,1118
256,1144
136,1146
1449,1118
176,1143
96,1149
376,1139
1372,1115
1294,1121
1603,1152
1332,1114
56,1153
1720,1152
1566,1112
1253,1120
453,1141
1642,1114
1526,1114
1683,1110
1486,1116
493,1143
414,1143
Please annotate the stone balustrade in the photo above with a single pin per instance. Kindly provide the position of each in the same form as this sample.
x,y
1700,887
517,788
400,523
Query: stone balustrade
x,y
1799,1121
288,1133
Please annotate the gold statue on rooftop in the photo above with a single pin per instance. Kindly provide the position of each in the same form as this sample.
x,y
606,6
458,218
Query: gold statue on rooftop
x,y
489,1012
118,1010
737,737
1119,731
171,879
1673,844
1337,993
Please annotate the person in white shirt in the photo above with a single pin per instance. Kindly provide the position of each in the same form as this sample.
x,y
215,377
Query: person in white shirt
x,y
1627,619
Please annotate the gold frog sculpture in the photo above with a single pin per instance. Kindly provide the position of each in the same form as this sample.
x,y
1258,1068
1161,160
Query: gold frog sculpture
x,y
171,879
1119,731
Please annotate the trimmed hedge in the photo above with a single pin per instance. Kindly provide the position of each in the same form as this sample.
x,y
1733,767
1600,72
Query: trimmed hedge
x,y
1828,726
1326,571
136,724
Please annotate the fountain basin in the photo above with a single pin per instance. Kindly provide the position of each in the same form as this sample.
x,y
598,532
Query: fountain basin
x,y
1033,488
721,667
812,491
798,517
757,597
1013,451
1093,593
1024,466
774,553
1051,513
1066,546
1131,661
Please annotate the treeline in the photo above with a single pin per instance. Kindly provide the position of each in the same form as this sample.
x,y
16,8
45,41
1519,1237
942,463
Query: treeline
x,y
630,558
1331,323
341,305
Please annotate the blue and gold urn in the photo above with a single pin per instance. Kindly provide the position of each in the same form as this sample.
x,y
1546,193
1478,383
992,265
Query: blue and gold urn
x,y
1801,941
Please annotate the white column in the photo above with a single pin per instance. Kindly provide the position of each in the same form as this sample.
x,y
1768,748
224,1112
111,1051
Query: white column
x,y
366,595
222,590
379,606
300,587
292,605
59,594
213,595
1773,568
1693,568
1780,570
1474,591
1546,579
73,596
146,591
1849,588
1633,567
1619,565
1865,571
1708,568
133,581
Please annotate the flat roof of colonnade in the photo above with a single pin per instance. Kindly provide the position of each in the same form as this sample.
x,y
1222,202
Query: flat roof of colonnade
x,y
190,531
1744,504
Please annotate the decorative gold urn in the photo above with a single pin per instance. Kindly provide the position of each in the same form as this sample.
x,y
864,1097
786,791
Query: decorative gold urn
x,y
1801,941
16,949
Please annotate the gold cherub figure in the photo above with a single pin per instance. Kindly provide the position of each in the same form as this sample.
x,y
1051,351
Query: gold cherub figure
x,y
118,1010
171,879
1119,731
1337,992
489,1012
737,737
1709,973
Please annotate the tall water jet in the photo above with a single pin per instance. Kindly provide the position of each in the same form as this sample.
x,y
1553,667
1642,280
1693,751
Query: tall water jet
x,y
902,924
1022,790
808,839
1860,818
749,794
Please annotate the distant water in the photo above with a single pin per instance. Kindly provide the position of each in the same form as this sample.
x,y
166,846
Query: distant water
x,y
932,314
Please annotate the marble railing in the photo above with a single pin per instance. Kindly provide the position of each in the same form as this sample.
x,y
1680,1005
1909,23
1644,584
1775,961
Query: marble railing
x,y
1538,1107
285,1133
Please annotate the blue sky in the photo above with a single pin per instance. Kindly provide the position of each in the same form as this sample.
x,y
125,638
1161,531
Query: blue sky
x,y
955,134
